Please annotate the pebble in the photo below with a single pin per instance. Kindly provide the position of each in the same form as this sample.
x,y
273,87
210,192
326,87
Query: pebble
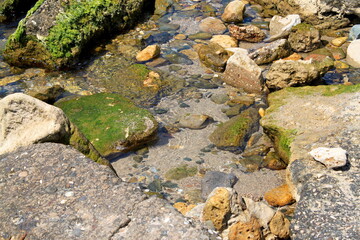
x,y
69,194
23,174
330,157
338,42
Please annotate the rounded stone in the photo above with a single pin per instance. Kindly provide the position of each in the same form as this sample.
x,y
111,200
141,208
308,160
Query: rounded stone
x,y
212,25
279,196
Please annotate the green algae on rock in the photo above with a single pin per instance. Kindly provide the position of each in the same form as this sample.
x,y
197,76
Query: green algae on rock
x,y
111,122
11,8
54,33
180,172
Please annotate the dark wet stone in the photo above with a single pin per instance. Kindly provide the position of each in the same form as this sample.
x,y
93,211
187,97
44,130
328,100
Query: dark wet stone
x,y
160,110
184,105
137,158
215,179
251,163
200,35
340,76
178,58
187,159
155,186
168,27
158,38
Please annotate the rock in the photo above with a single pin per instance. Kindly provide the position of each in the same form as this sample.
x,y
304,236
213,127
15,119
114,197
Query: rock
x,y
217,207
288,73
271,52
281,26
337,53
247,230
353,57
304,38
260,211
46,94
249,33
148,53
213,56
354,32
215,179
242,72
26,120
338,42
165,27
234,11
178,58
212,25
280,226
273,161
11,9
180,172
183,207
330,157
163,6
54,33
294,57
200,35
111,122
194,121
196,212
224,40
279,196
233,134
219,98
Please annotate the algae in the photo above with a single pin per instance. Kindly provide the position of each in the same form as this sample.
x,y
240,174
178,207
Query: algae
x,y
180,172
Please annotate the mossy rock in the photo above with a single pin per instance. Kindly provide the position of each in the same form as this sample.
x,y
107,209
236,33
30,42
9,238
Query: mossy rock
x,y
9,9
111,122
181,172
54,33
233,134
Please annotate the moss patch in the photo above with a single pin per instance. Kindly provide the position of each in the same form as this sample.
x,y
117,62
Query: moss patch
x,y
181,172
111,122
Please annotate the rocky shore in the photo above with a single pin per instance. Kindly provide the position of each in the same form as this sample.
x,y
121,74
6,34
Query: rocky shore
x,y
180,120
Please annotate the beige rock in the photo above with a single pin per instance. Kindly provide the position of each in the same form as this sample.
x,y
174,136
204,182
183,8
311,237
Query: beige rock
x,y
245,231
234,11
212,25
260,211
339,41
180,37
225,41
183,207
26,120
280,226
279,196
193,121
190,53
217,207
148,53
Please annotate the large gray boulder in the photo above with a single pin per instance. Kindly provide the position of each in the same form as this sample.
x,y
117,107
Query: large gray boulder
x,y
51,191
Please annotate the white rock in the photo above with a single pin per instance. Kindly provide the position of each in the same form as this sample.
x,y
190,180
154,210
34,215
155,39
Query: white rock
x,y
281,26
330,157
353,53
260,210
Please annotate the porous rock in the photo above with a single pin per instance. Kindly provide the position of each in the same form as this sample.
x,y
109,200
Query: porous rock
x,y
249,33
245,230
272,51
304,38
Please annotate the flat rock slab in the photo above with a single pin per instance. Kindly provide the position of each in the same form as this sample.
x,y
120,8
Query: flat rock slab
x,y
50,191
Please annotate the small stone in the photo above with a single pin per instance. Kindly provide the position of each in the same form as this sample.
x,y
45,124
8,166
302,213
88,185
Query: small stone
x,y
280,226
183,207
340,65
213,56
148,53
261,112
200,35
219,98
279,196
69,194
243,231
137,158
194,121
187,159
260,211
234,11
249,33
330,157
225,41
273,162
184,105
180,37
23,174
190,54
338,42
212,25
271,52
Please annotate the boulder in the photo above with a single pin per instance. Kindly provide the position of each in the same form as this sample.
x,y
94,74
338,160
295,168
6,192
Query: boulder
x,y
213,56
353,55
234,11
304,38
111,122
51,191
212,25
213,179
281,26
225,41
354,32
272,51
13,8
242,72
233,134
249,33
54,33
148,53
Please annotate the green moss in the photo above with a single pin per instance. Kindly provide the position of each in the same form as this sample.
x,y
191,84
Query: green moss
x,y
109,121
302,27
181,172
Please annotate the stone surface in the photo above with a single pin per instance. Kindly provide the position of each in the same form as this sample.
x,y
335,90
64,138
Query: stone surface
x,y
304,38
279,196
67,196
353,55
330,157
148,53
213,56
354,32
272,51
224,40
249,33
26,120
214,179
212,25
45,93
163,6
259,210
194,121
243,231
281,26
280,225
242,72
339,41
234,11
217,207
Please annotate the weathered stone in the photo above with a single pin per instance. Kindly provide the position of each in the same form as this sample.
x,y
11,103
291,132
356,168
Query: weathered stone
x,y
213,56
214,179
338,42
183,207
54,33
163,6
260,211
281,26
217,207
279,196
200,35
304,38
249,33
234,11
224,40
280,226
45,93
273,51
354,32
180,172
212,25
330,157
353,53
242,72
26,120
194,121
233,134
273,161
148,53
245,230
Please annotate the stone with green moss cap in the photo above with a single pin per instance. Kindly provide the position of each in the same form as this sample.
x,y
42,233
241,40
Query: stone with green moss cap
x,y
54,33
111,122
